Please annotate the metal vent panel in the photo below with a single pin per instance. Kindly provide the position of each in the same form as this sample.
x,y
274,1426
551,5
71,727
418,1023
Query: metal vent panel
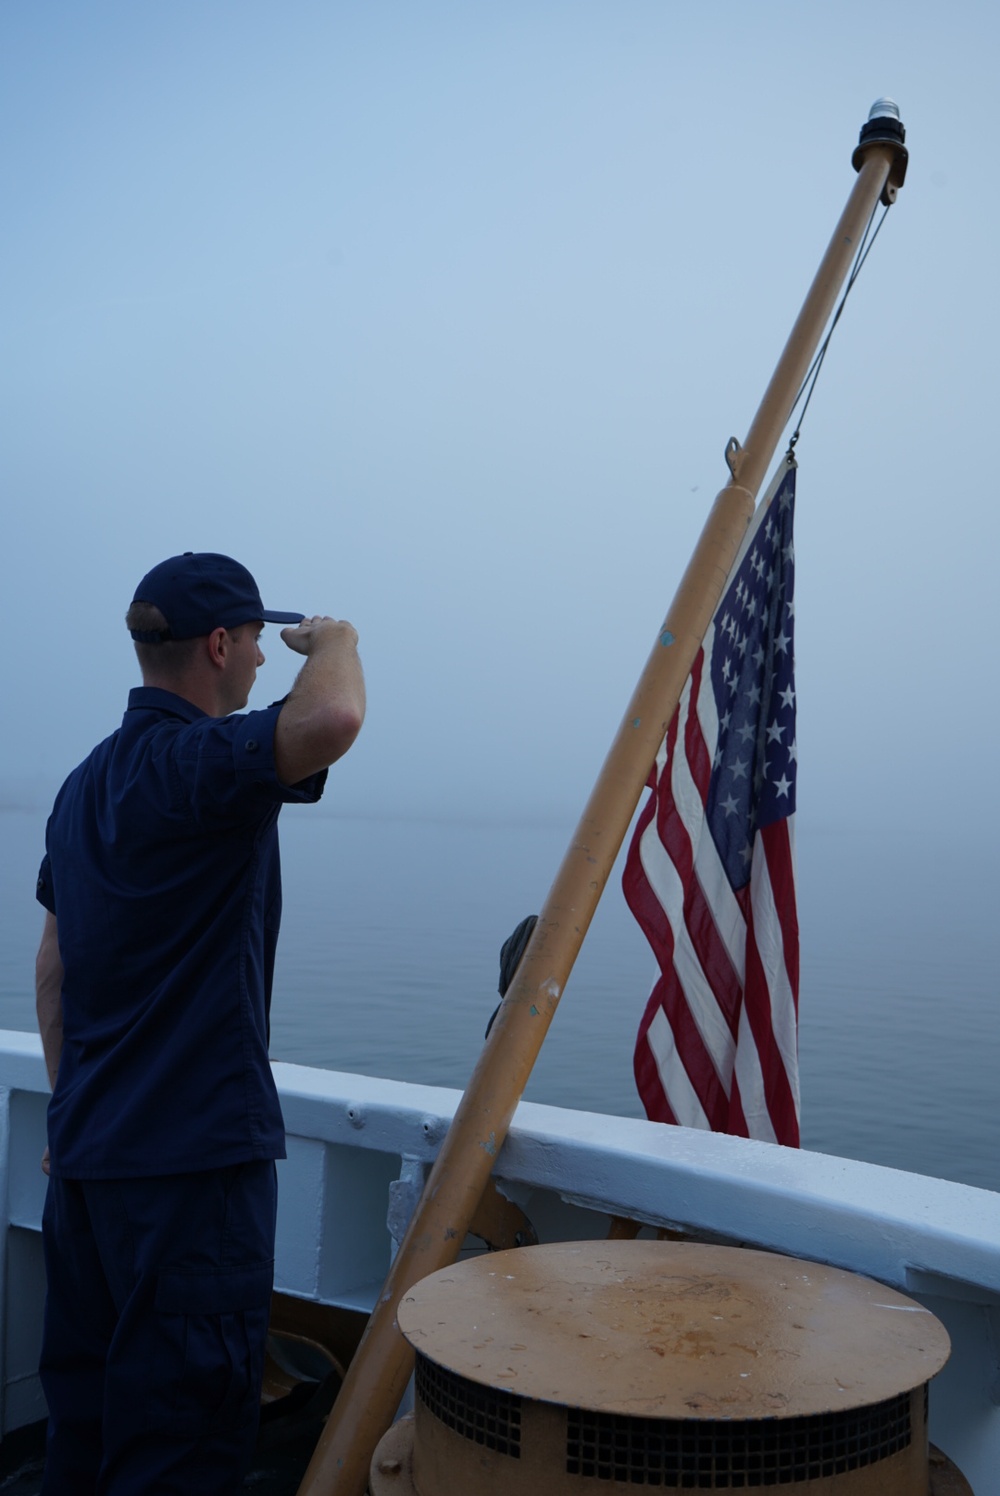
x,y
721,1454
485,1415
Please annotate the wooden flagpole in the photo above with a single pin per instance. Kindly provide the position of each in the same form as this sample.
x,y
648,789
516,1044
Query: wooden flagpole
x,y
378,1375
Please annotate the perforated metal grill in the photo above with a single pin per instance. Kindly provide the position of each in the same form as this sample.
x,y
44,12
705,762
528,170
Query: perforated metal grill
x,y
717,1454
486,1415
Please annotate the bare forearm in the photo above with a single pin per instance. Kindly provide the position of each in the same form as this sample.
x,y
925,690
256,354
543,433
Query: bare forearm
x,y
326,706
48,997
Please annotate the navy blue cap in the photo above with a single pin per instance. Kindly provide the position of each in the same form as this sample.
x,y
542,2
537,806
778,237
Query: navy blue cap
x,y
201,591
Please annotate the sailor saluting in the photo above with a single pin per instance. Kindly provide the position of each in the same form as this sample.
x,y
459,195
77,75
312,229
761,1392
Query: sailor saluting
x,y
162,891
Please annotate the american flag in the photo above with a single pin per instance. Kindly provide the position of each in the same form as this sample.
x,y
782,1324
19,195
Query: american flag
x,y
710,873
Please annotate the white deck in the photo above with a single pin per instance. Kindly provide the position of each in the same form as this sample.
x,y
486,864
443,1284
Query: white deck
x,y
359,1149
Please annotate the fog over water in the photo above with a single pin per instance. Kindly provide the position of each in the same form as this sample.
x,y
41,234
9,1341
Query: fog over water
x,y
441,316
388,965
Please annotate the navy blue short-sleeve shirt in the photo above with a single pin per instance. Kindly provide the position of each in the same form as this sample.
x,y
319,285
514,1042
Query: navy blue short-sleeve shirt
x,y
163,873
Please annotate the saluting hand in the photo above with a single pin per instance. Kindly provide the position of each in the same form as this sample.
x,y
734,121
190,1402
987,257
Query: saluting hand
x,y
304,637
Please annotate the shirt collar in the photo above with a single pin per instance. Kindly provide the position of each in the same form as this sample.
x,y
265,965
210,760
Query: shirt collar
x,y
155,699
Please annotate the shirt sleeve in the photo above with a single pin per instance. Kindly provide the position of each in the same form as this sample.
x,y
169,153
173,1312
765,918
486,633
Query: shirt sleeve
x,y
226,766
44,891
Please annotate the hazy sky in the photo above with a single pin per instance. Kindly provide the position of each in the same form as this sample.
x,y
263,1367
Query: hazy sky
x,y
439,316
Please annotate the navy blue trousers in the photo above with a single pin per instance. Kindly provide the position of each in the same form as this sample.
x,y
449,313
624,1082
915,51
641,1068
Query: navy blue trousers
x,y
156,1320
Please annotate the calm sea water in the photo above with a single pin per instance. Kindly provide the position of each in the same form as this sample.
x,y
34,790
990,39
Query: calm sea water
x,y
388,965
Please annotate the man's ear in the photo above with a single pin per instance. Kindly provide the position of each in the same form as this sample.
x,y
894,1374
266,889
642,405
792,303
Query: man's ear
x,y
218,646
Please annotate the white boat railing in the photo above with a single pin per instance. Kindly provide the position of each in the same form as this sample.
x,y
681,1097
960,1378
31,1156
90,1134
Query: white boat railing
x,y
359,1148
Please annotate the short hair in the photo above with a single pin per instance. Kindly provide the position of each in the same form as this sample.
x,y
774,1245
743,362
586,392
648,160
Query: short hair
x,y
167,657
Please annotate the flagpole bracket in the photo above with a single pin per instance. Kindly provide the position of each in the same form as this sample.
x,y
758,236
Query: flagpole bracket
x,y
884,127
734,456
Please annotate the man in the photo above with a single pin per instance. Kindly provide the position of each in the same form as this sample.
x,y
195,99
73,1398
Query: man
x,y
162,892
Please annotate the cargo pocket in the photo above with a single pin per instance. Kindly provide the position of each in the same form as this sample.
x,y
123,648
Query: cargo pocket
x,y
216,1324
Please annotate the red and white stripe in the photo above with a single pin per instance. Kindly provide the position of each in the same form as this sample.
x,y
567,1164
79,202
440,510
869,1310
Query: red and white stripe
x,y
717,1046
